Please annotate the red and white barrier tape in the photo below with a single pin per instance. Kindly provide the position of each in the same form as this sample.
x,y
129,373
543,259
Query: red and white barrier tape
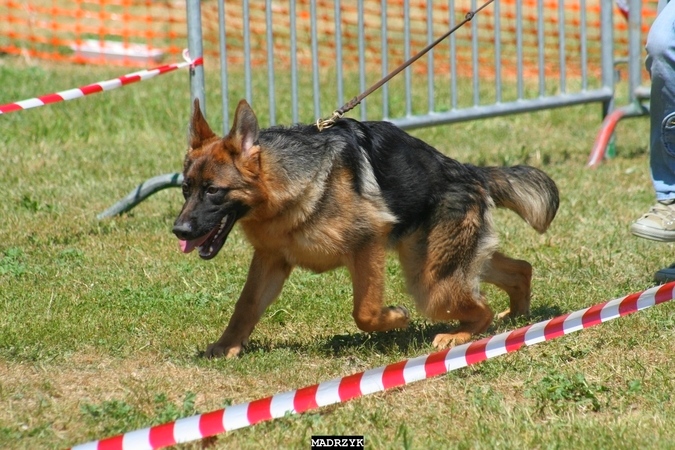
x,y
72,94
377,380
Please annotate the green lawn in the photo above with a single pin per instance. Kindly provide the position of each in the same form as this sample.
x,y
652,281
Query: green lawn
x,y
101,322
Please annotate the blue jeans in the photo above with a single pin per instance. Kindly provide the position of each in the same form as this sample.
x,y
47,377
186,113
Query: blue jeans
x,y
661,66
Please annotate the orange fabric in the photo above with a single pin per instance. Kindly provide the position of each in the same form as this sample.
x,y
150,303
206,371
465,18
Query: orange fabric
x,y
50,29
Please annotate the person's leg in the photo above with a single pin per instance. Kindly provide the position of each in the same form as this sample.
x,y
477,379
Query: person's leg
x,y
661,66
659,223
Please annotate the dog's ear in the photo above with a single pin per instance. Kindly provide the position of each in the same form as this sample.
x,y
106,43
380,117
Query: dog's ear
x,y
199,128
245,129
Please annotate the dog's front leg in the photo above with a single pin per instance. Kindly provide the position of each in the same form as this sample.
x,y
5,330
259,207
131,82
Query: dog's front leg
x,y
366,266
265,279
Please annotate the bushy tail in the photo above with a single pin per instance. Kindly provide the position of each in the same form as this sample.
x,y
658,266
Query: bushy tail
x,y
527,191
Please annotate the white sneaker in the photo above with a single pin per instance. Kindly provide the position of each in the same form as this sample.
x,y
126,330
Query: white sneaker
x,y
658,224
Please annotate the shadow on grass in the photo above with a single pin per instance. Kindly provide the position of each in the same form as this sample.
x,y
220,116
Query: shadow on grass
x,y
418,336
544,312
538,314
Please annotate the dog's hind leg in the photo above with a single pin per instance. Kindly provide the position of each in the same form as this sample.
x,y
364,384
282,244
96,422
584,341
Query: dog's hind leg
x,y
453,299
443,277
514,277
366,266
266,277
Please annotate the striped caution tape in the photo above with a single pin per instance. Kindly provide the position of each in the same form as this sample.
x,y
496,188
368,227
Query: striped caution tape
x,y
101,86
376,380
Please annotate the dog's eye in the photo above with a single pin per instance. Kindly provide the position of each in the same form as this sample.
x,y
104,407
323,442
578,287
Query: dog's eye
x,y
186,190
212,190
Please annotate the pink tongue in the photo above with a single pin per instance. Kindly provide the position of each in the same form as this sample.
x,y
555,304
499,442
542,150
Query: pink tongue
x,y
188,246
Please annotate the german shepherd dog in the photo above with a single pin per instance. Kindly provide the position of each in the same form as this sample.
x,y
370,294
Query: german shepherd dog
x,y
343,197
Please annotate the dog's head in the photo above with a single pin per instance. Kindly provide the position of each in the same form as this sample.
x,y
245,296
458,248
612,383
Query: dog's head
x,y
219,181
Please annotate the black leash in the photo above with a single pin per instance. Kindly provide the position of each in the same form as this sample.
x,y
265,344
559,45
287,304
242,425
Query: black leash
x,y
322,124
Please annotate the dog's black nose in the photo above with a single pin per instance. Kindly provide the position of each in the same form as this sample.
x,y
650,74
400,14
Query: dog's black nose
x,y
182,230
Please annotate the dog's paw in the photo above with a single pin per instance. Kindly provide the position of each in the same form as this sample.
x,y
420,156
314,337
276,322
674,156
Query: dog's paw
x,y
504,315
512,315
445,340
401,316
217,350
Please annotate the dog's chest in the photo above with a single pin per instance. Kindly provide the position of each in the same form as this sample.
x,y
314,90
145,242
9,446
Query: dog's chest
x,y
318,227
317,248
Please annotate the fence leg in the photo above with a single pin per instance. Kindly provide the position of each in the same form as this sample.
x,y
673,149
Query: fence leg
x,y
143,191
603,140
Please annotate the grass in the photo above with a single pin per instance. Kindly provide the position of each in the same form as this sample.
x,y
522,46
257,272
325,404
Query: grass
x,y
102,322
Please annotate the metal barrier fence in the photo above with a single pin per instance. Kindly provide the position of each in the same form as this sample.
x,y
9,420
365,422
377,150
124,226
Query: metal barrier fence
x,y
502,76
501,63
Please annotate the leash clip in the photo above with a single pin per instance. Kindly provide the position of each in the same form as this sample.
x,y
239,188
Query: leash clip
x,y
322,124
